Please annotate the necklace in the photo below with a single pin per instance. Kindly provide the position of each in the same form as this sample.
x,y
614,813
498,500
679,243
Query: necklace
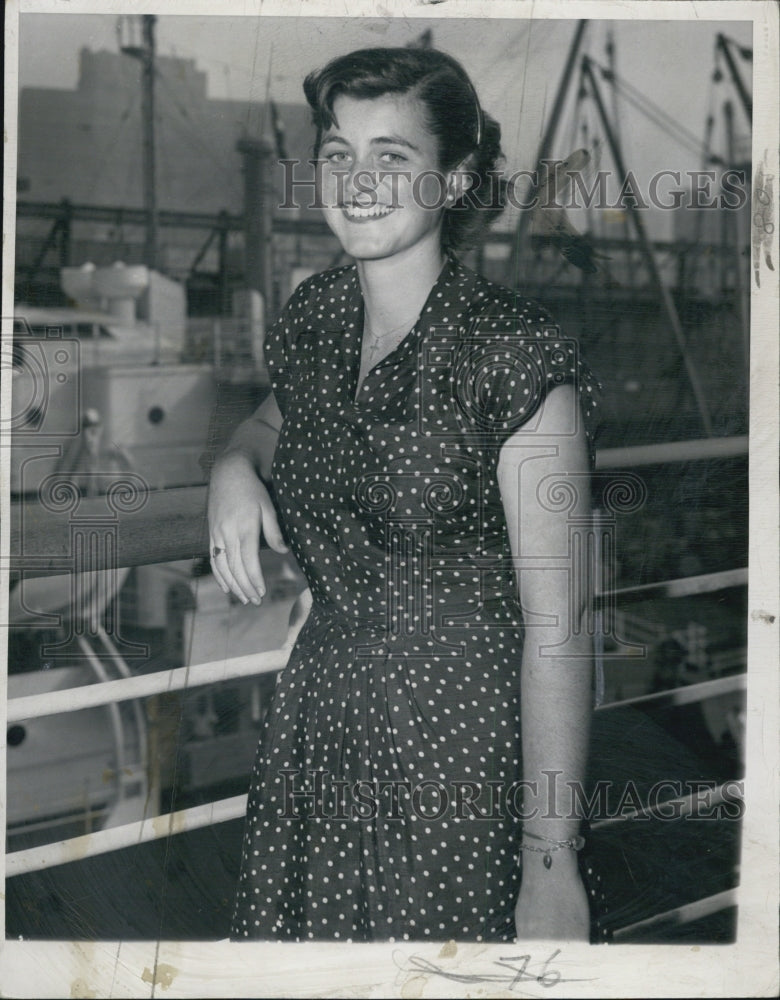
x,y
374,344
378,343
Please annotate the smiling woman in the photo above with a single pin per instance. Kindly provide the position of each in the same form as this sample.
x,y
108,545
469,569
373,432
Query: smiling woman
x,y
434,142
421,423
382,192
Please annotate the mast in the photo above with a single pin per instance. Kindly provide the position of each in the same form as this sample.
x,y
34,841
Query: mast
x,y
612,66
743,295
258,215
667,303
722,43
150,187
145,53
545,147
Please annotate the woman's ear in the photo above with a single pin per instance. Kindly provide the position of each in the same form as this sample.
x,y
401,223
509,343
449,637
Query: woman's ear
x,y
458,182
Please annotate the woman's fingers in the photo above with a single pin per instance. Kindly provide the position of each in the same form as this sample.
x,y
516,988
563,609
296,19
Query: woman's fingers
x,y
224,569
250,561
237,567
226,564
216,559
237,570
243,586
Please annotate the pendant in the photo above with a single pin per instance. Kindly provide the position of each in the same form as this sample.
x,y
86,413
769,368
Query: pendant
x,y
547,860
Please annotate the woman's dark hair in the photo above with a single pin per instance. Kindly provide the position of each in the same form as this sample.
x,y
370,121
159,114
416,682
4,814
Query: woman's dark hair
x,y
465,133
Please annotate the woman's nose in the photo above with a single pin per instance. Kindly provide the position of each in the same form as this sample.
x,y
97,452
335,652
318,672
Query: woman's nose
x,y
361,181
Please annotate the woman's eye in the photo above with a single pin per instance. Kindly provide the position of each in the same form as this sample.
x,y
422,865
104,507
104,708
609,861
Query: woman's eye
x,y
389,157
337,156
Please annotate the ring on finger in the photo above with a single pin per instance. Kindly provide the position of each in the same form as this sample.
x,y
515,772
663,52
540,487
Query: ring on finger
x,y
216,551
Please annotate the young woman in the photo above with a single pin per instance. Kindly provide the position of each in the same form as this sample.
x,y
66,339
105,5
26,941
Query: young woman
x,y
438,696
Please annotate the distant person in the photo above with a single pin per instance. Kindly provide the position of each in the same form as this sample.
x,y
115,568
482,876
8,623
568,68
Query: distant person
x,y
87,462
418,415
92,469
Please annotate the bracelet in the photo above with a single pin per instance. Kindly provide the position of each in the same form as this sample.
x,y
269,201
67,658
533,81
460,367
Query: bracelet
x,y
574,844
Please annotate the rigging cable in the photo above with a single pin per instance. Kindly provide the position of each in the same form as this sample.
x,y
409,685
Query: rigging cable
x,y
654,112
195,134
110,145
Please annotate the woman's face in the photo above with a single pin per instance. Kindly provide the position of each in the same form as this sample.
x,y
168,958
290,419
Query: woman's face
x,y
382,187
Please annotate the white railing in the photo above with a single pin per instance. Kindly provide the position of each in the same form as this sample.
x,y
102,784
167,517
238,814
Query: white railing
x,y
129,835
633,456
33,706
184,678
684,914
111,692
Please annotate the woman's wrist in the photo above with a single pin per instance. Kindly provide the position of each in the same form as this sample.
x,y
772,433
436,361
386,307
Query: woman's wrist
x,y
551,845
236,455
535,874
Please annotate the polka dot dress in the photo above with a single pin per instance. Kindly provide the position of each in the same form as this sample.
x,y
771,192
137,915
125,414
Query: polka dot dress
x,y
376,807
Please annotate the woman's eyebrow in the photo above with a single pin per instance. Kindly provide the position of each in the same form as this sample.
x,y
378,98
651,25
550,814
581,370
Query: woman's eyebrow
x,y
395,140
380,140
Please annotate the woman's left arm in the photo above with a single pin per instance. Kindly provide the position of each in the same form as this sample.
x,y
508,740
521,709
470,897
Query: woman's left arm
x,y
555,684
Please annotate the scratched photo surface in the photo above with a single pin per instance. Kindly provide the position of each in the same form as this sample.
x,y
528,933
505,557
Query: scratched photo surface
x,y
166,211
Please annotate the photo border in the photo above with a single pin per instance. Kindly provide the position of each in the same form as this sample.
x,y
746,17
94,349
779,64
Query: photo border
x,y
225,969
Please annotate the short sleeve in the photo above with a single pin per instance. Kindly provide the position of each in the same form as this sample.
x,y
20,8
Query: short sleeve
x,y
280,341
512,361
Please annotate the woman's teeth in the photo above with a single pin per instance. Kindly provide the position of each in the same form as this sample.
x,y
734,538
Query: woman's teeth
x,y
371,212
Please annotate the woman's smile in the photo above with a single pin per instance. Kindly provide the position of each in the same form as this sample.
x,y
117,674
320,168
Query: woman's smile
x,y
359,213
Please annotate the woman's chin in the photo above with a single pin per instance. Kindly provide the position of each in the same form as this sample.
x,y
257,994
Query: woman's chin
x,y
374,239
368,249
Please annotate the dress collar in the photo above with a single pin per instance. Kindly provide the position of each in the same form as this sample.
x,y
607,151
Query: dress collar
x,y
447,301
438,306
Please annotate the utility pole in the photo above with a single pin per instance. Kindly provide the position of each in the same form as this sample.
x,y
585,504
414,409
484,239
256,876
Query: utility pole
x,y
145,53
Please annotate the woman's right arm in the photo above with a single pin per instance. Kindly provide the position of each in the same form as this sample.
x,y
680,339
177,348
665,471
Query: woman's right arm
x,y
240,507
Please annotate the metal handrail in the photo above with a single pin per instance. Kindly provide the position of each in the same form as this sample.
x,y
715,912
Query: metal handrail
x,y
685,586
683,805
171,524
634,456
684,914
34,706
220,811
225,810
681,695
116,838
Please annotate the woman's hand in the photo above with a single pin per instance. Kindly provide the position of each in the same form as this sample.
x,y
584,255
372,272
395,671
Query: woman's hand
x,y
553,906
239,508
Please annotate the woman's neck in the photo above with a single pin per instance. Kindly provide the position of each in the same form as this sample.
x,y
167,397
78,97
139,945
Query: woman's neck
x,y
395,288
